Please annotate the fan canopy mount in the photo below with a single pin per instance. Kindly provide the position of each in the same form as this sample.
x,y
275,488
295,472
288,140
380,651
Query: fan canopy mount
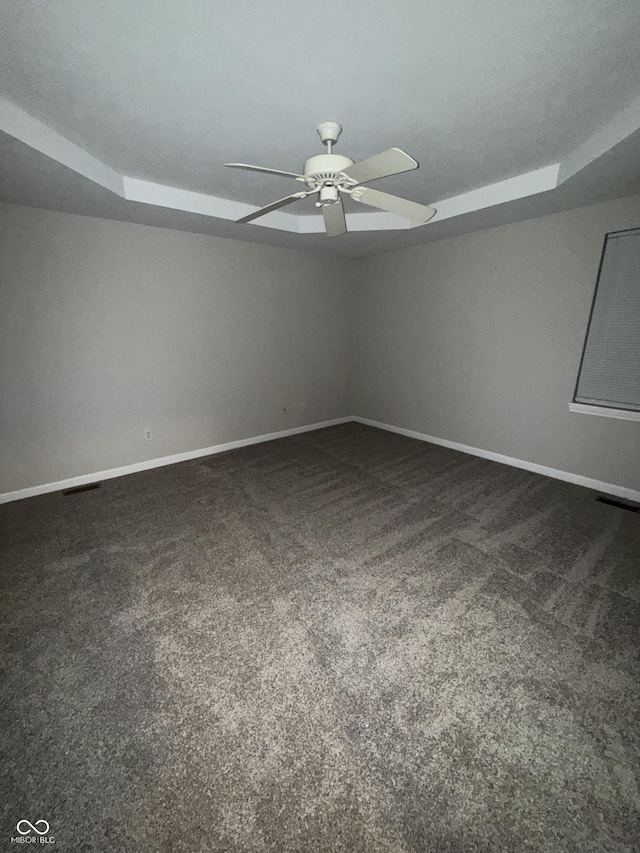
x,y
329,131
330,175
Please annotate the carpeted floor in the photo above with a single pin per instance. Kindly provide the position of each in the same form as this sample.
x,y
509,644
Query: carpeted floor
x,y
341,641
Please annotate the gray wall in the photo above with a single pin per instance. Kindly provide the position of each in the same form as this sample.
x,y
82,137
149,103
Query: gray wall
x,y
477,339
107,328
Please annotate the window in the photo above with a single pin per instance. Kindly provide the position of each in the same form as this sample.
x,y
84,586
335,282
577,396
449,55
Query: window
x,y
609,375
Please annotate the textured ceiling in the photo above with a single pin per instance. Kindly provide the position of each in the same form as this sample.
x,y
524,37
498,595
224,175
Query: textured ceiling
x,y
477,91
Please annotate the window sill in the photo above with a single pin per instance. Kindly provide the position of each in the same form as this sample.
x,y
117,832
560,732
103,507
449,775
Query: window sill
x,y
603,412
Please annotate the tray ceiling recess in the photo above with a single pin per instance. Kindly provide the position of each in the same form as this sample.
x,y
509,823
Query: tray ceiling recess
x,y
33,133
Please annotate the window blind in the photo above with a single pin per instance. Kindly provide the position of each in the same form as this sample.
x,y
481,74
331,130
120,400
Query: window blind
x,y
610,369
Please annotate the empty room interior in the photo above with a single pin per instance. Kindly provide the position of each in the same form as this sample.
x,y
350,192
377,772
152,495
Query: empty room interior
x,y
320,426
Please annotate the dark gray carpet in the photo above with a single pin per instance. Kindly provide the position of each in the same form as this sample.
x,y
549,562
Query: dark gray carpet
x,y
342,641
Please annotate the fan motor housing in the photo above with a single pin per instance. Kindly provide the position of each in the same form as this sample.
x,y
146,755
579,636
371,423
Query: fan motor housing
x,y
325,167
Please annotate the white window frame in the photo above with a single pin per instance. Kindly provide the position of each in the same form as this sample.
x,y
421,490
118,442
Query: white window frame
x,y
604,412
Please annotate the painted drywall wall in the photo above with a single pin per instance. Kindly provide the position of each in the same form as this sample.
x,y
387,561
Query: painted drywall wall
x,y
477,339
109,328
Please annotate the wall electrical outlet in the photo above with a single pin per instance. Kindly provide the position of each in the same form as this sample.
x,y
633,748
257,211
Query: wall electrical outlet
x,y
284,410
148,434
303,407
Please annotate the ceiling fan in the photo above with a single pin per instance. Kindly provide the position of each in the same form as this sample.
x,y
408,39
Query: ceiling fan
x,y
328,175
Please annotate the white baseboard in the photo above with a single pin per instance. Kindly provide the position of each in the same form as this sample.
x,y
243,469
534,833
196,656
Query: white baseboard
x,y
84,479
577,479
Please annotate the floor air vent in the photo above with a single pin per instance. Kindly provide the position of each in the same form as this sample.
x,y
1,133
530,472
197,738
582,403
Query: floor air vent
x,y
619,504
89,487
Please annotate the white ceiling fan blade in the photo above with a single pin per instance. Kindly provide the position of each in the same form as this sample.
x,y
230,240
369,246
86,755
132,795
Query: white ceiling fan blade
x,y
390,162
419,213
334,221
265,169
274,206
